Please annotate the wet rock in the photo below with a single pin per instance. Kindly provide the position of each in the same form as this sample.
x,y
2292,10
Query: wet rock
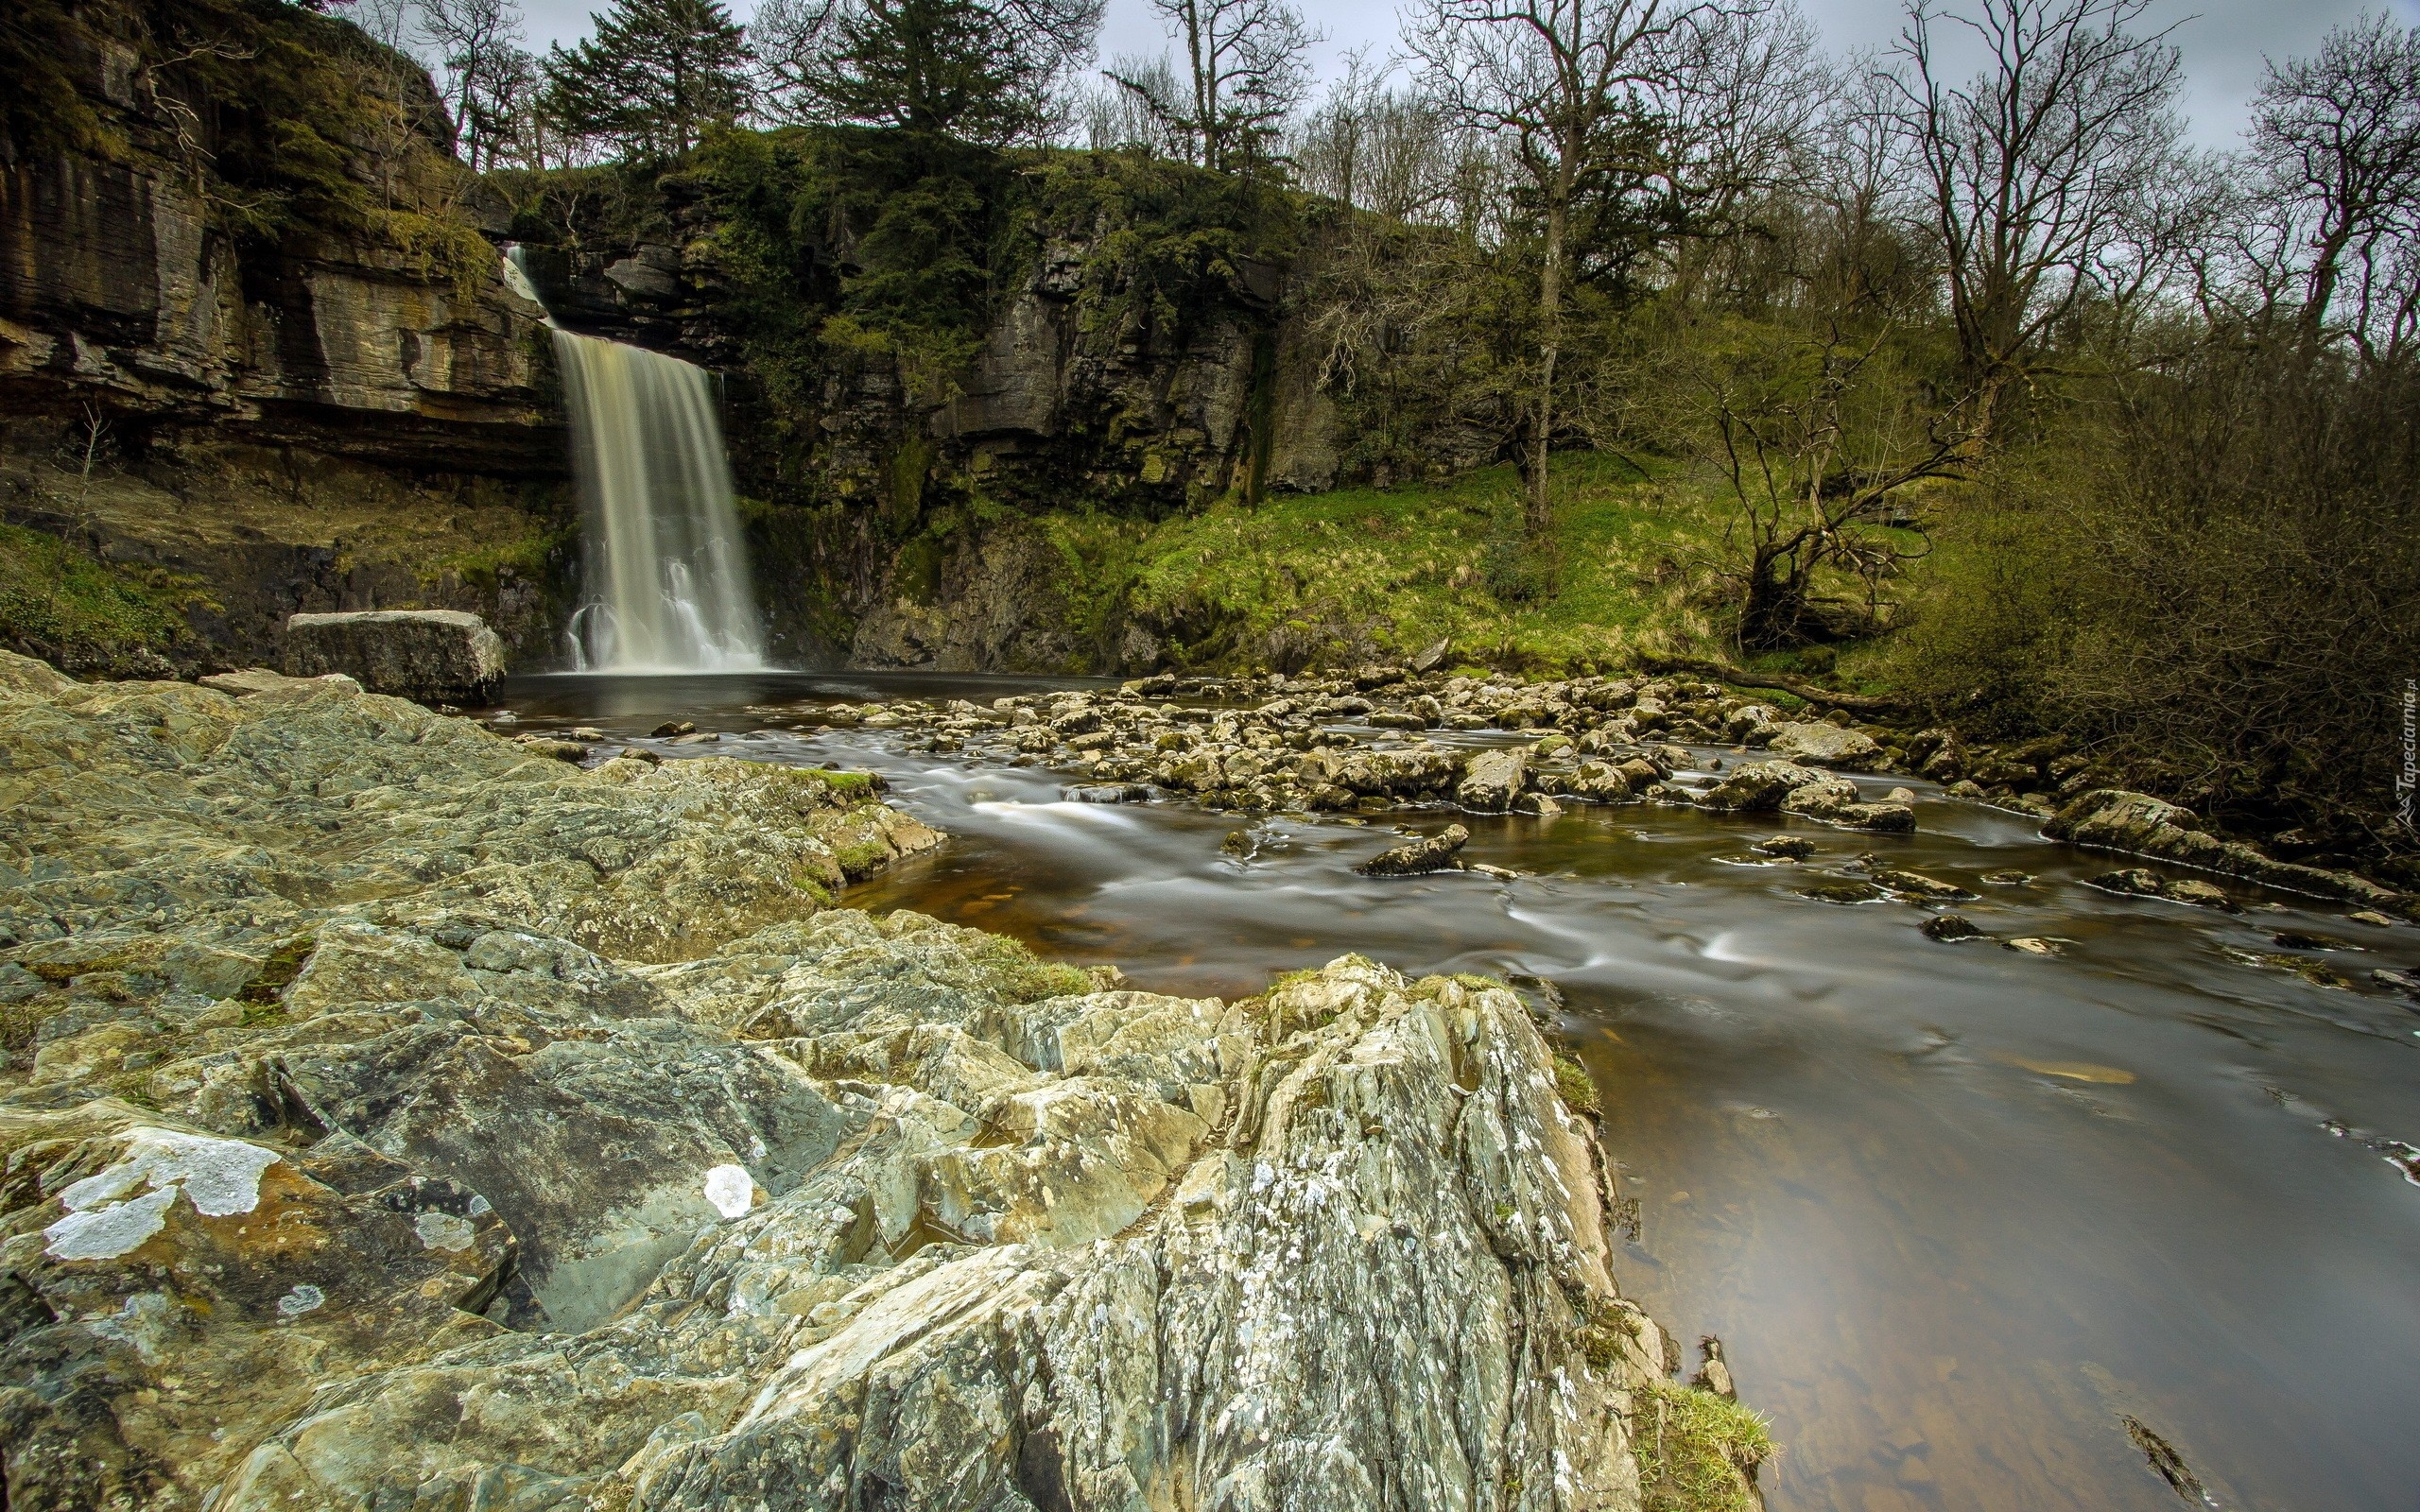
x,y
480,1182
1885,818
1916,885
2296,940
1540,805
1950,927
1107,793
2008,877
2114,819
671,727
2407,983
2141,882
1785,847
430,655
1822,744
1492,779
2372,918
1824,799
1841,892
1763,787
2033,945
829,1361
1435,852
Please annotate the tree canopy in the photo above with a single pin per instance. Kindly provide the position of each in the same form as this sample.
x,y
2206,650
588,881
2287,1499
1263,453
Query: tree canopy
x,y
655,76
980,70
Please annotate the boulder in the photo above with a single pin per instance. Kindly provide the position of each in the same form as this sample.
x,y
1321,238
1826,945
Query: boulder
x,y
1762,787
430,655
1950,927
1492,779
1821,745
1432,854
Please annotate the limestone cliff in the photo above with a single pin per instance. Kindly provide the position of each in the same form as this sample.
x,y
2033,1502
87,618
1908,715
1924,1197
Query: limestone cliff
x,y
927,346
252,338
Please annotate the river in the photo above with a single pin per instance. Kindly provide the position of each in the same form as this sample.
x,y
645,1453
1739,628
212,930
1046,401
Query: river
x,y
1978,1228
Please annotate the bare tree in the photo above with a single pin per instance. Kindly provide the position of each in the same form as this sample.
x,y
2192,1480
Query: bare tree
x,y
485,71
1569,82
2037,167
2339,134
1245,71
1818,441
1135,106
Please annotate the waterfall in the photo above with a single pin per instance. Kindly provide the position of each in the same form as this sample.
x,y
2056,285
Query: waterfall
x,y
668,586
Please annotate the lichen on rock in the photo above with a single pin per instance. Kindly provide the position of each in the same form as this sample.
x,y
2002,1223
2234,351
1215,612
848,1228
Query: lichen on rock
x,y
480,1182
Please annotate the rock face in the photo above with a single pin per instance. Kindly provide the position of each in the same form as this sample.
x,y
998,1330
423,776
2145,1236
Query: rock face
x,y
431,655
519,1135
348,411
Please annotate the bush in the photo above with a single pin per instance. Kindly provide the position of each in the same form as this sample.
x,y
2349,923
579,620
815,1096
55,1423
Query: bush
x,y
2219,578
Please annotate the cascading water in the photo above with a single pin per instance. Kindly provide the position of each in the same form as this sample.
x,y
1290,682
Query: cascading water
x,y
667,581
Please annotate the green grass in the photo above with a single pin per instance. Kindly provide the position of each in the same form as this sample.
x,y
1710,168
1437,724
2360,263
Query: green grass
x,y
1404,566
1695,1451
62,604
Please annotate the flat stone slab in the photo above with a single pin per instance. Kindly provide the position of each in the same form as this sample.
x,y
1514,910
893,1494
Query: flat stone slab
x,y
430,655
261,679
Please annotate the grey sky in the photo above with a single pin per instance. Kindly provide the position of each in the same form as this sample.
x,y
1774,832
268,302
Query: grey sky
x,y
2224,41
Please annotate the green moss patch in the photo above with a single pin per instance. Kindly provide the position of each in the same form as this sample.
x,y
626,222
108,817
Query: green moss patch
x,y
1697,1451
67,606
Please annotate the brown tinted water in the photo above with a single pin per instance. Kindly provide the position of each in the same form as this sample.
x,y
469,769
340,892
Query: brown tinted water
x,y
1959,1214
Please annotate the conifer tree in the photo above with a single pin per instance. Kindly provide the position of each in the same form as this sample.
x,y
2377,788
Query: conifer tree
x,y
977,70
657,74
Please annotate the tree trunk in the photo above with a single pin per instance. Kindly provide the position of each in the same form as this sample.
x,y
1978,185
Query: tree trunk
x,y
1541,514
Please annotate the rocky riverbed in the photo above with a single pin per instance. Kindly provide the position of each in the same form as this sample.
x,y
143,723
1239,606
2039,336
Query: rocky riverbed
x,y
1383,739
395,1114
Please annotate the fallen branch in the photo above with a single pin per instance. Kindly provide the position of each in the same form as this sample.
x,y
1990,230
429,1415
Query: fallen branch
x,y
1741,677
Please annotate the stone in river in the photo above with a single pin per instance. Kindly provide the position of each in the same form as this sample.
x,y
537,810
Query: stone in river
x,y
1433,853
1492,779
1947,927
1815,744
1761,787
430,655
1107,793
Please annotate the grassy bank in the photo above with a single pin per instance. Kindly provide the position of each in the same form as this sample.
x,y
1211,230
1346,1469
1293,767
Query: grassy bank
x,y
1322,577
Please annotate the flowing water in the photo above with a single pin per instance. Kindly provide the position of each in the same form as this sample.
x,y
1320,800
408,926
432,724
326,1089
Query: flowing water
x,y
1959,1214
668,585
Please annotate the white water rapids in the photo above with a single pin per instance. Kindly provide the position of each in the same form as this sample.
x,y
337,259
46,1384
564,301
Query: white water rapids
x,y
667,587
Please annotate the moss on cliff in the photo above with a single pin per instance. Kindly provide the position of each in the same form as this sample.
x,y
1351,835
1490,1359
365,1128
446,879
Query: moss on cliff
x,y
63,603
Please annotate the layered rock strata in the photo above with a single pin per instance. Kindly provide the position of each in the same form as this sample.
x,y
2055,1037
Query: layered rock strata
x,y
397,1117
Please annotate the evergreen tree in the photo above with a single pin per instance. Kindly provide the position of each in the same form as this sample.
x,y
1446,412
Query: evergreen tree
x,y
978,70
655,76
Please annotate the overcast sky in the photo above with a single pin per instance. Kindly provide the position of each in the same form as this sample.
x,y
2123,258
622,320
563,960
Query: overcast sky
x,y
2224,41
